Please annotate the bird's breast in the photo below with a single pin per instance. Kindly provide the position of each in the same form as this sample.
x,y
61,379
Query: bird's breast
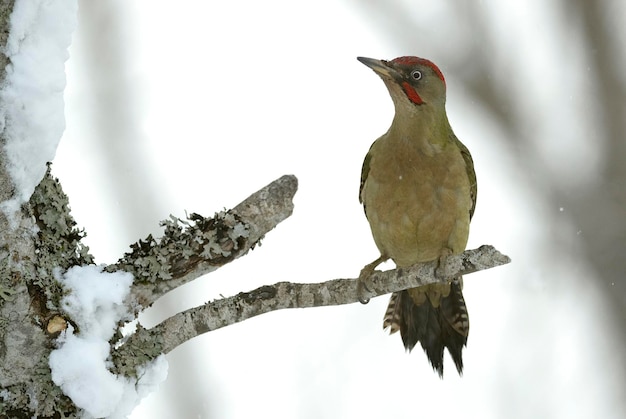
x,y
417,201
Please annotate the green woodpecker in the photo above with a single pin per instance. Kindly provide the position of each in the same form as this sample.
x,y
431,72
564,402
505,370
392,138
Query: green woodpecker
x,y
418,189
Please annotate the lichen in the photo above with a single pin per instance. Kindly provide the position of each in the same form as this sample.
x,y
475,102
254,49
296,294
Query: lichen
x,y
185,244
143,348
40,395
58,240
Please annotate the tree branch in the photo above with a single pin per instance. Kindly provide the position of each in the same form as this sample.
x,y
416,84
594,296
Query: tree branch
x,y
196,246
220,313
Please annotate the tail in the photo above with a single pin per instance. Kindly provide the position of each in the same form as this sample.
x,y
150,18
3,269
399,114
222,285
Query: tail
x,y
434,327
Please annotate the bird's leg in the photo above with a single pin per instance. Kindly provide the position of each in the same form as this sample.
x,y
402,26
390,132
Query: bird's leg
x,y
440,290
364,277
441,271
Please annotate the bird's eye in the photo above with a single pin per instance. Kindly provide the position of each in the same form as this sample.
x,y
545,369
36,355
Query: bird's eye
x,y
416,74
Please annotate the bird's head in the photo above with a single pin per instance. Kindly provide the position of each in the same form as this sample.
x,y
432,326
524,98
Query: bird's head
x,y
413,82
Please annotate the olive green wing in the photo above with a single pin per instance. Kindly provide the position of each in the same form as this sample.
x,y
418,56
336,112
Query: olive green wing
x,y
364,173
471,174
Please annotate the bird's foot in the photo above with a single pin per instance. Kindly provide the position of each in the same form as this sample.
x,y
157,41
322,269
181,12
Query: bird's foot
x,y
442,271
364,279
361,285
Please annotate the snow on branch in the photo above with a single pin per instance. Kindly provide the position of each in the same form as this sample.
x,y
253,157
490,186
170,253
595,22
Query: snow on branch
x,y
220,313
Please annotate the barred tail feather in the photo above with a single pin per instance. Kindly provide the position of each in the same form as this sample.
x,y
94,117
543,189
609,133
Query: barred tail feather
x,y
454,309
393,315
446,326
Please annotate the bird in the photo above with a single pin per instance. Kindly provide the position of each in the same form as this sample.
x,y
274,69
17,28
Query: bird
x,y
418,189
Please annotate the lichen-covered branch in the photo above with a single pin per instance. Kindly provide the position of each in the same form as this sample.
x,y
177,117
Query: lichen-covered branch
x,y
197,245
31,313
214,315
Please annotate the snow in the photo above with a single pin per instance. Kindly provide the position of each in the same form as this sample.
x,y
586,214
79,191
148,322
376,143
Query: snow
x,y
31,97
97,299
79,366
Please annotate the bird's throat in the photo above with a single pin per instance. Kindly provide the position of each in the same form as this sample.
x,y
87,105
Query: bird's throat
x,y
425,129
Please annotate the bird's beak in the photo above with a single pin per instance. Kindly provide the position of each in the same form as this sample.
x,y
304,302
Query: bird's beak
x,y
380,67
